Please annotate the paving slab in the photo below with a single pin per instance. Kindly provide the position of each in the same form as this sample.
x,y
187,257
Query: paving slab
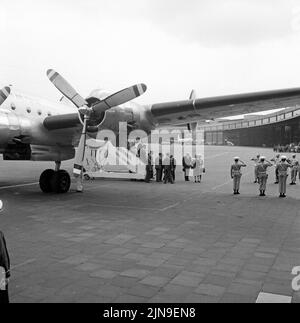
x,y
129,241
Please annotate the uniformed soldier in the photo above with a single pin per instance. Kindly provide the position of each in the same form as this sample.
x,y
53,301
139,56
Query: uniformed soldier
x,y
294,171
262,174
256,161
168,178
159,168
283,167
276,160
236,174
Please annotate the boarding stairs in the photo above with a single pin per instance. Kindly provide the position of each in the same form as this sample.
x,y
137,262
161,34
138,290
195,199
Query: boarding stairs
x,y
104,160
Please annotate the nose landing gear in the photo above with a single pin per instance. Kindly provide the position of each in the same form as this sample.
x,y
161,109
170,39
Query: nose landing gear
x,y
55,181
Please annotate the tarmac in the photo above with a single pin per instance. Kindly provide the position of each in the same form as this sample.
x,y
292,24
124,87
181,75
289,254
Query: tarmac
x,y
132,242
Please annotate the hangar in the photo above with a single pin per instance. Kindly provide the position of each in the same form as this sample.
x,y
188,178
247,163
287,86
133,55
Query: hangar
x,y
279,128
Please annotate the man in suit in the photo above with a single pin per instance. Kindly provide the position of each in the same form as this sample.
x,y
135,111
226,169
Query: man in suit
x,y
159,168
173,167
168,178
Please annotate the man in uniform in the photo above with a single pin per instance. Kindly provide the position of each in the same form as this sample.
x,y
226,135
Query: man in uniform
x,y
262,174
295,168
256,161
236,174
276,161
168,178
159,168
283,167
4,267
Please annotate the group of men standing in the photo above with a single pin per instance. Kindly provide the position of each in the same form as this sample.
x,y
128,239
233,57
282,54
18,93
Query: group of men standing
x,y
282,165
165,168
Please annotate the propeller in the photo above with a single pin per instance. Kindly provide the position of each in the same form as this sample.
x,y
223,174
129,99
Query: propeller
x,y
4,93
192,127
91,111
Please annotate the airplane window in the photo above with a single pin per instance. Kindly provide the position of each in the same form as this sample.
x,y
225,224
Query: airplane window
x,y
28,110
39,112
13,106
281,117
297,112
49,114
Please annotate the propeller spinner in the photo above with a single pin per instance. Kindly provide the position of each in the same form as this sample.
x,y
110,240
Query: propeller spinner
x,y
90,111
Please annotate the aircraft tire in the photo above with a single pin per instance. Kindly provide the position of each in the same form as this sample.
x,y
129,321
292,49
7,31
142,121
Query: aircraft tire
x,y
45,180
60,182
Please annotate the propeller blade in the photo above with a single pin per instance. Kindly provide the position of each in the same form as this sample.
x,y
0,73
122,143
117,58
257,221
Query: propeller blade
x,y
65,88
119,98
192,126
193,95
4,93
79,157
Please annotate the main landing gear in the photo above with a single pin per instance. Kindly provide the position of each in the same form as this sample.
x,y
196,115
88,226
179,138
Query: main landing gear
x,y
55,181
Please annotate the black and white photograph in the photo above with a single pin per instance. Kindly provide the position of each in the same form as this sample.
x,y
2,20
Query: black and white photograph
x,y
149,154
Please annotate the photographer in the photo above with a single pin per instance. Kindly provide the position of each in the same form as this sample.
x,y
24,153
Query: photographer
x,y
4,267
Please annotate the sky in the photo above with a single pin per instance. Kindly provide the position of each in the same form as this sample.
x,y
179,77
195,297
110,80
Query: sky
x,y
216,47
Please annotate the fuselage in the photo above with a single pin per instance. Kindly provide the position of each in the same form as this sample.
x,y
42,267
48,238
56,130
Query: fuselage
x,y
22,123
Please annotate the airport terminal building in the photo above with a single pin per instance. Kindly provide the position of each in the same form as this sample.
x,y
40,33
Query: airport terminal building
x,y
280,128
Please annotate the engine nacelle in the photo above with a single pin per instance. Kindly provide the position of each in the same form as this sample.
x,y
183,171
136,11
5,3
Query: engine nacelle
x,y
9,127
13,126
20,151
51,153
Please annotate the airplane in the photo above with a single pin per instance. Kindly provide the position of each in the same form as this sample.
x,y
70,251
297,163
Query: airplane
x,y
39,130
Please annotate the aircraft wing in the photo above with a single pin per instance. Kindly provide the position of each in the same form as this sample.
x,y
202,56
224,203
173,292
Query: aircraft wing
x,y
183,112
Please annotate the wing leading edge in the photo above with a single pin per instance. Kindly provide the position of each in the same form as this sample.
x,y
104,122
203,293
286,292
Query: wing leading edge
x,y
182,112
